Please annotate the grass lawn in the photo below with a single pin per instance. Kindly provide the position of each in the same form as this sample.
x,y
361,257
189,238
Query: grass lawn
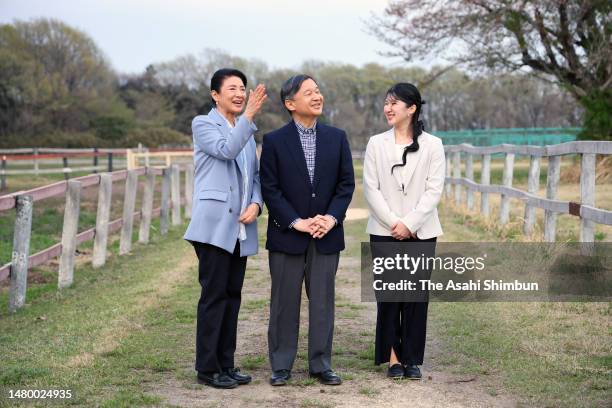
x,y
551,354
122,336
48,214
105,337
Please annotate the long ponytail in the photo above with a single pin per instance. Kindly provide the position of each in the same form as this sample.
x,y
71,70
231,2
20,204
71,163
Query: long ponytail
x,y
410,95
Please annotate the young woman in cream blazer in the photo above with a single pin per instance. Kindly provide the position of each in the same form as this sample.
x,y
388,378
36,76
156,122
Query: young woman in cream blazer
x,y
403,179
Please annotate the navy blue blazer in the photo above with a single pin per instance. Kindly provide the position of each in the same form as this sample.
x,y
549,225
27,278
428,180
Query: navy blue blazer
x,y
288,193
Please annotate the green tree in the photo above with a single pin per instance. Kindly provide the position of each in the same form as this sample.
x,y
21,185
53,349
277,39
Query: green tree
x,y
54,78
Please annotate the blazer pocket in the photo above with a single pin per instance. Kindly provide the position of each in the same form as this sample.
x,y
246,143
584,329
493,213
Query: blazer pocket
x,y
213,195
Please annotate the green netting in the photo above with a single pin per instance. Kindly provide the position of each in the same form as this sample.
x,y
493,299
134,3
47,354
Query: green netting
x,y
518,136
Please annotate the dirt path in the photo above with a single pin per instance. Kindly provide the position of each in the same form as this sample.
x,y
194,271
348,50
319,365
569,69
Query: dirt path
x,y
364,384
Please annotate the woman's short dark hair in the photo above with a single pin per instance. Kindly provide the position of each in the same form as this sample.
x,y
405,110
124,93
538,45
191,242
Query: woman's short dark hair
x,y
291,87
410,95
219,76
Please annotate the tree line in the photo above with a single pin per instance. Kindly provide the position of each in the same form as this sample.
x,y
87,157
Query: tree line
x,y
57,88
565,42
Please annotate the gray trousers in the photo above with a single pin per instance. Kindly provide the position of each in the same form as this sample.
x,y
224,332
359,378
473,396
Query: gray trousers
x,y
288,272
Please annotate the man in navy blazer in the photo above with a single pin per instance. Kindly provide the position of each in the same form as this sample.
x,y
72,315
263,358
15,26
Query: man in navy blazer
x,y
307,183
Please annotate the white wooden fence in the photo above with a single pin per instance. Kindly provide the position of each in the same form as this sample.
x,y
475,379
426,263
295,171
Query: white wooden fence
x,y
589,215
23,202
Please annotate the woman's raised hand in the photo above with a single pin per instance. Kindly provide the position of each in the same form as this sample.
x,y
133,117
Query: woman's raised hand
x,y
256,100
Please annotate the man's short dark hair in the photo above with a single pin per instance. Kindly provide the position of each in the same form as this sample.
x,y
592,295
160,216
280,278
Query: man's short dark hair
x,y
219,76
291,87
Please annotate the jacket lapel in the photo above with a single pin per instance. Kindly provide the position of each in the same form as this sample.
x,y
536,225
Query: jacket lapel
x,y
389,143
295,148
219,120
226,130
402,177
412,159
319,160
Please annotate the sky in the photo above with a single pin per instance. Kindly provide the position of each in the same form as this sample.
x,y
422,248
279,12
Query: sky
x,y
282,33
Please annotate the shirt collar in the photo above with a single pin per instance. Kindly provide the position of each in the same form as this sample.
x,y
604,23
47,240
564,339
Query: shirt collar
x,y
306,131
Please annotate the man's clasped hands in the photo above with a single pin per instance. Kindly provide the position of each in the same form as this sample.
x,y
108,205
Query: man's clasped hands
x,y
317,226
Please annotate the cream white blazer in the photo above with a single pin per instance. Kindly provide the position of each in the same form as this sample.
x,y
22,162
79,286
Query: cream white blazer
x,y
411,196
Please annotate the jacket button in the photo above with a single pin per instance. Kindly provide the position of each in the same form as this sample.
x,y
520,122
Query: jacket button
x,y
313,195
230,210
231,189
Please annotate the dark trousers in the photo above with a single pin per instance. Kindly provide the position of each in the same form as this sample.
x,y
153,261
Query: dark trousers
x,y
288,272
401,325
221,275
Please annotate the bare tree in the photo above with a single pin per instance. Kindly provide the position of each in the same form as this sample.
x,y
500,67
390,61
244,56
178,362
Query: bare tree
x,y
568,41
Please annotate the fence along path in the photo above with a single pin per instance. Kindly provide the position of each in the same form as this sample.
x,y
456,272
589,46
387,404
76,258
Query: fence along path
x,y
589,215
38,156
23,202
38,160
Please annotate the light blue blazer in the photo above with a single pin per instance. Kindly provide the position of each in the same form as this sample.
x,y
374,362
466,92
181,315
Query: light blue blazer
x,y
217,192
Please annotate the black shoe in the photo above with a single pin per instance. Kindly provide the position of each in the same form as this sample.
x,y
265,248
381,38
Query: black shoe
x,y
396,371
412,372
280,377
328,377
217,380
234,373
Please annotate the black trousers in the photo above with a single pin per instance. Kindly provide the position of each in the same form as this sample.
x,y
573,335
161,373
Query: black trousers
x,y
401,325
221,275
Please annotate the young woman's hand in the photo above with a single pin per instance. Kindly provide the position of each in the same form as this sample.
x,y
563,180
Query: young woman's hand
x,y
401,232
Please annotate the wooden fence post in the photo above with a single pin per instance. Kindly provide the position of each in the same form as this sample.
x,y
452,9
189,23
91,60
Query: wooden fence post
x,y
188,190
105,192
35,152
129,202
175,193
587,195
21,251
448,188
533,185
469,174
95,163
110,162
147,208
552,181
69,233
66,168
485,179
165,202
504,209
129,162
3,174
457,174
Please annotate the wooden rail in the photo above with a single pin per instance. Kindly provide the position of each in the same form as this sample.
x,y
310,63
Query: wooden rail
x,y
133,157
50,156
23,202
76,160
60,151
589,215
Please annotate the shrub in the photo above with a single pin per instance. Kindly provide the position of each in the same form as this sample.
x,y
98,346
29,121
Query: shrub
x,y
156,136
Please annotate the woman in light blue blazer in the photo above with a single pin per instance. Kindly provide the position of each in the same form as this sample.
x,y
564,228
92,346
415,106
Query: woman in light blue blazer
x,y
223,227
